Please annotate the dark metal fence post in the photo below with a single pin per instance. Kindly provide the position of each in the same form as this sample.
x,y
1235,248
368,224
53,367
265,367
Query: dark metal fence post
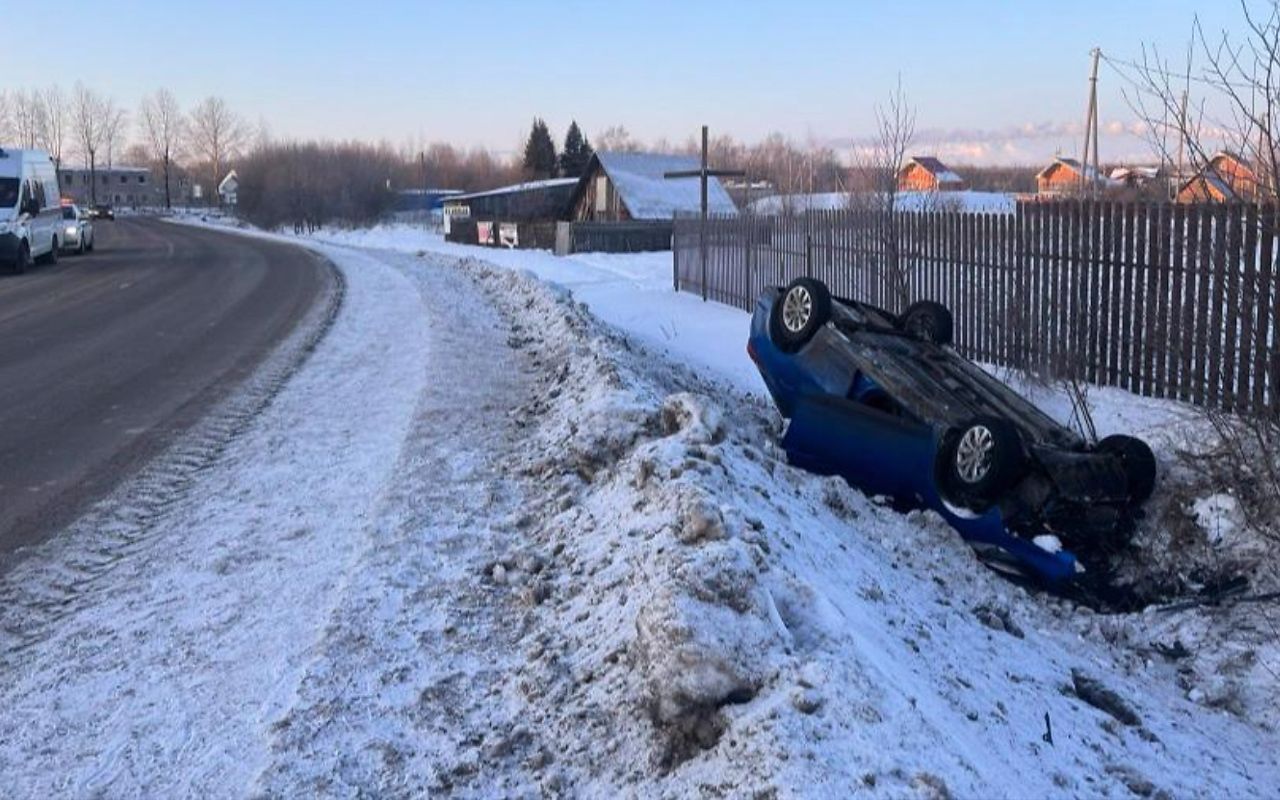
x,y
675,254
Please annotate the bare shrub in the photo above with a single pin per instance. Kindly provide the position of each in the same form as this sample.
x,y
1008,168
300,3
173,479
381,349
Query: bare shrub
x,y
306,185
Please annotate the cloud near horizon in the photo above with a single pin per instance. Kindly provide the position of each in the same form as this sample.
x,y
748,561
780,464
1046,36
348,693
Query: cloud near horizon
x,y
1030,143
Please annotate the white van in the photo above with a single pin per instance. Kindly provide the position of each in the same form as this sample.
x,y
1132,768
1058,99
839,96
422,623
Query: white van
x,y
30,209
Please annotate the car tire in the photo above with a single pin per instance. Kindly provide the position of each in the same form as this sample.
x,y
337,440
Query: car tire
x,y
81,248
982,460
23,262
799,312
89,246
51,257
928,321
1138,461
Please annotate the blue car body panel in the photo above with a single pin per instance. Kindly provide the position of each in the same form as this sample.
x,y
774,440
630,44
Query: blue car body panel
x,y
833,431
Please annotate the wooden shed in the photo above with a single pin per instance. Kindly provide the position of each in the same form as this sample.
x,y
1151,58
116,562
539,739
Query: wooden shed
x,y
928,174
523,202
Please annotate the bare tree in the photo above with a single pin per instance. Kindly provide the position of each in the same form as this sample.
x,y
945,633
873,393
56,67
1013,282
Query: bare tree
x,y
28,118
6,116
216,135
875,182
91,116
1224,93
116,131
53,123
163,128
618,139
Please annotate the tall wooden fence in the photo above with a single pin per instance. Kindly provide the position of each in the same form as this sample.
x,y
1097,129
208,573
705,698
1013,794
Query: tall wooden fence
x,y
1175,301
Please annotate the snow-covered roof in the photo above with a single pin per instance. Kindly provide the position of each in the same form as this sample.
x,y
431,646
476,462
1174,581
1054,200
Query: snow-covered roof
x,y
778,203
638,178
974,202
1122,173
229,183
941,172
1072,164
516,187
1211,180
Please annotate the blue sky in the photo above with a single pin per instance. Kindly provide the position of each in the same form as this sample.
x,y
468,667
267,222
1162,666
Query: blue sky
x,y
478,72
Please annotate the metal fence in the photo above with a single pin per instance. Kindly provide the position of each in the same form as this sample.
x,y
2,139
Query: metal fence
x,y
1177,301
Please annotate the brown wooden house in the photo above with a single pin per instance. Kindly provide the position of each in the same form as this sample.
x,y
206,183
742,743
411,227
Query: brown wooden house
x,y
928,174
619,187
1067,176
1227,177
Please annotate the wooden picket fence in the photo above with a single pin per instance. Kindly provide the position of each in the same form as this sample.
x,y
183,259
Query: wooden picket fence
x,y
1177,301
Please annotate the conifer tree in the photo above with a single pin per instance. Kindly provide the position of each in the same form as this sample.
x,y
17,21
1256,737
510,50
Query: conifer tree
x,y
540,152
576,154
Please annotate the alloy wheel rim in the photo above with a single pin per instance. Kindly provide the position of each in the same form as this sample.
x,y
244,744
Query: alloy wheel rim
x,y
796,309
973,454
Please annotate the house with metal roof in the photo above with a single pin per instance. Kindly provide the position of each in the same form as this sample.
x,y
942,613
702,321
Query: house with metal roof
x,y
1227,177
1068,176
622,187
928,174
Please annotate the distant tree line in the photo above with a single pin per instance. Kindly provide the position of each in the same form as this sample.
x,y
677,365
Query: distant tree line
x,y
308,184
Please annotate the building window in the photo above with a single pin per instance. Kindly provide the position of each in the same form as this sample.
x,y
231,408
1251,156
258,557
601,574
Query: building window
x,y
142,179
124,178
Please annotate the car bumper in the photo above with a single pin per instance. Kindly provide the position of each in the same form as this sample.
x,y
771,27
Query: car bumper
x,y
8,248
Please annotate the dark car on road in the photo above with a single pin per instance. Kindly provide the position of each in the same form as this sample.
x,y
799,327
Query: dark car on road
x,y
103,211
884,401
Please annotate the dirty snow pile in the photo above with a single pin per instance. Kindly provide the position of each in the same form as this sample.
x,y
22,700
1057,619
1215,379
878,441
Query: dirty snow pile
x,y
703,618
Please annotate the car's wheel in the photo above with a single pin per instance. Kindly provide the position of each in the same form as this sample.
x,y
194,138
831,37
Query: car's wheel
x,y
982,460
89,246
81,247
1138,461
23,261
928,321
803,308
52,256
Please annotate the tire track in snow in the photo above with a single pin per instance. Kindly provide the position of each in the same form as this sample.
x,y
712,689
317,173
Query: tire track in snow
x,y
117,528
405,693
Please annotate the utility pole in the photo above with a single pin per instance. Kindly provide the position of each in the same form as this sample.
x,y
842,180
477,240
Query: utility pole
x,y
1091,127
702,174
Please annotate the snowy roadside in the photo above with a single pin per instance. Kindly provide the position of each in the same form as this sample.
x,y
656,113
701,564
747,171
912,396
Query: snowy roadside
x,y
1221,659
483,544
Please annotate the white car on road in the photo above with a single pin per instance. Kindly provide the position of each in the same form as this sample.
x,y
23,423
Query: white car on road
x,y
77,229
29,213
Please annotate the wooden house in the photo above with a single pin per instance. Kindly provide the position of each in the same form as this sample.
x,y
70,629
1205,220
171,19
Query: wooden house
x,y
620,187
1067,176
1227,177
928,174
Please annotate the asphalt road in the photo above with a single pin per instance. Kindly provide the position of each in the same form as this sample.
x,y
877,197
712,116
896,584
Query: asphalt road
x,y
106,358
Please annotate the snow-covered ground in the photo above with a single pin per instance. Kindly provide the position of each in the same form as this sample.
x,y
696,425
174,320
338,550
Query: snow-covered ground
x,y
518,527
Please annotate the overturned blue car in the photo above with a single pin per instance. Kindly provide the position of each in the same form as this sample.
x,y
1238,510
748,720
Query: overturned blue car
x,y
883,401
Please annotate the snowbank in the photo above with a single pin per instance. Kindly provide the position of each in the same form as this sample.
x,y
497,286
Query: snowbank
x,y
711,617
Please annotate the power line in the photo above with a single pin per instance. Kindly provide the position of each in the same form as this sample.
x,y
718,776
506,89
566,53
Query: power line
x,y
1117,63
